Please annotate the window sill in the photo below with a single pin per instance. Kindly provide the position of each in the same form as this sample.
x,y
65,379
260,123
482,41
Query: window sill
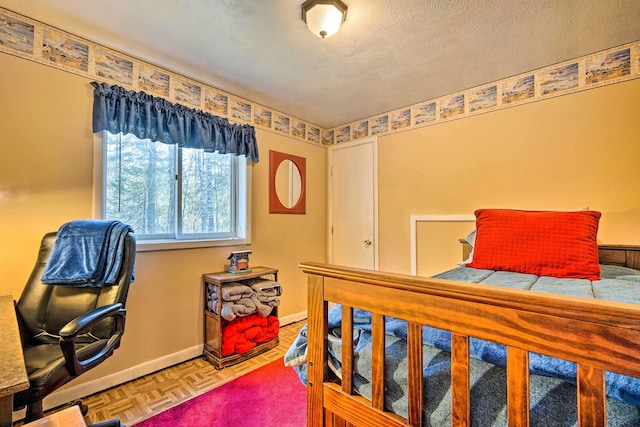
x,y
170,245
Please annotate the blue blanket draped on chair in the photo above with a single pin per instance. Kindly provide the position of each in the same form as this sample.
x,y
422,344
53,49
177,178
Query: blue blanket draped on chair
x,y
87,253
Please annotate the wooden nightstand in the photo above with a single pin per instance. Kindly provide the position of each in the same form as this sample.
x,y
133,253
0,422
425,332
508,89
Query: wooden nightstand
x,y
213,323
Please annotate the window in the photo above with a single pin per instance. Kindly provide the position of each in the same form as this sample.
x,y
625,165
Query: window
x,y
172,194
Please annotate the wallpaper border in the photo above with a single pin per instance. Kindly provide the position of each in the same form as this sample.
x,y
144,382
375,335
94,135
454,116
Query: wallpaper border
x,y
610,66
20,36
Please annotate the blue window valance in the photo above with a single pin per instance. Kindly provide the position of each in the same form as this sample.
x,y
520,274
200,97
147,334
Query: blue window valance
x,y
118,110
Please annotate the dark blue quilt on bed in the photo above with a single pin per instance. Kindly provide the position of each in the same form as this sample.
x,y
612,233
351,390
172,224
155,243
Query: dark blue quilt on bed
x,y
552,380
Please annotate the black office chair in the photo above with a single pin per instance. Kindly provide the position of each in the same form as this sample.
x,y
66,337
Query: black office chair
x,y
68,330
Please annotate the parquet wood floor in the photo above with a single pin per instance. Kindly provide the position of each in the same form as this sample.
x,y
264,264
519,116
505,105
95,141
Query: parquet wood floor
x,y
144,397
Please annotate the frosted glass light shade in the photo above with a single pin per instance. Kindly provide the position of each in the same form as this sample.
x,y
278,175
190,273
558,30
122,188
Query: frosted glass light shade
x,y
324,17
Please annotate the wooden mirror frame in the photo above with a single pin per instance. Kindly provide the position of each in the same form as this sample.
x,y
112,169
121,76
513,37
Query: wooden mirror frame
x,y
275,206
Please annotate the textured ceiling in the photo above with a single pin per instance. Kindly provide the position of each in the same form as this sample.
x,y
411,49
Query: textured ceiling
x,y
388,54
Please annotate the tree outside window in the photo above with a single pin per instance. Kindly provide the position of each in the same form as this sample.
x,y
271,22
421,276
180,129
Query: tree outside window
x,y
170,193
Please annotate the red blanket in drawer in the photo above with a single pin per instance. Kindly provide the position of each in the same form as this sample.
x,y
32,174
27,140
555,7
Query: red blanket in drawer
x,y
244,333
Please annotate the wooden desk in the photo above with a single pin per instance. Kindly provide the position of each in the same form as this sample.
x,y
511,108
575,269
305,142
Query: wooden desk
x,y
70,417
13,375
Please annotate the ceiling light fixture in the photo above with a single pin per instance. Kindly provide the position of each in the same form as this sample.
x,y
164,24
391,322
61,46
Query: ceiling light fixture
x,y
324,17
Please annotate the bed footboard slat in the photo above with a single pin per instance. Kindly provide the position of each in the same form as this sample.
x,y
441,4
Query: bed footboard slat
x,y
357,410
377,361
460,383
337,421
317,363
415,384
347,349
518,386
591,397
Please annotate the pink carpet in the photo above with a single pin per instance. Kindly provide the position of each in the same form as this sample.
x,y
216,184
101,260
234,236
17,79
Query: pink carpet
x,y
269,396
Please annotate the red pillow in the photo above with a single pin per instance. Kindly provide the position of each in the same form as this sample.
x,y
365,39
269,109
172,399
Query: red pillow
x,y
557,244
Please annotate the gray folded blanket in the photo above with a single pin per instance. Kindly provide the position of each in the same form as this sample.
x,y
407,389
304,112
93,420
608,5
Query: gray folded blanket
x,y
232,291
266,288
240,308
267,300
232,309
259,296
264,309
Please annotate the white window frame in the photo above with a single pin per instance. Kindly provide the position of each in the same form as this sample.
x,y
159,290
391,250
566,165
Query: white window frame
x,y
243,200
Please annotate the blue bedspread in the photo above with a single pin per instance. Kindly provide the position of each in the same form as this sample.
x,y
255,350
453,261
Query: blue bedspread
x,y
87,253
621,387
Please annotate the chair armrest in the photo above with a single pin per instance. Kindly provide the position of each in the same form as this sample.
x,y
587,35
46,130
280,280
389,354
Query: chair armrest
x,y
70,332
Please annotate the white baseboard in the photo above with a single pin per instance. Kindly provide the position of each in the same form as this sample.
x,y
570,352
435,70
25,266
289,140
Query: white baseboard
x,y
69,394
293,318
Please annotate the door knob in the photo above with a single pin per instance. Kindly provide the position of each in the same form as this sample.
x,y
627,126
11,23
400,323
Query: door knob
x,y
367,242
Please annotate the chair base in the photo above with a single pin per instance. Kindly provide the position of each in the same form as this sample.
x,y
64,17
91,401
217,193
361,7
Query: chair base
x,y
83,408
34,412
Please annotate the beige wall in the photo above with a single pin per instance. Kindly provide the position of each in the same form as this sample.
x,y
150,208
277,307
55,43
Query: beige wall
x,y
567,152
563,153
46,180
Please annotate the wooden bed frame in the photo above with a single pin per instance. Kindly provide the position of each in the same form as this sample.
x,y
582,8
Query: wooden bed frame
x,y
597,335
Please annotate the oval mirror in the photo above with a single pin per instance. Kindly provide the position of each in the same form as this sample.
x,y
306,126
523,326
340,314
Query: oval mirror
x,y
288,183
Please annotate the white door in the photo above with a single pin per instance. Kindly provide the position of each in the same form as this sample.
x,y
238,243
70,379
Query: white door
x,y
353,204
